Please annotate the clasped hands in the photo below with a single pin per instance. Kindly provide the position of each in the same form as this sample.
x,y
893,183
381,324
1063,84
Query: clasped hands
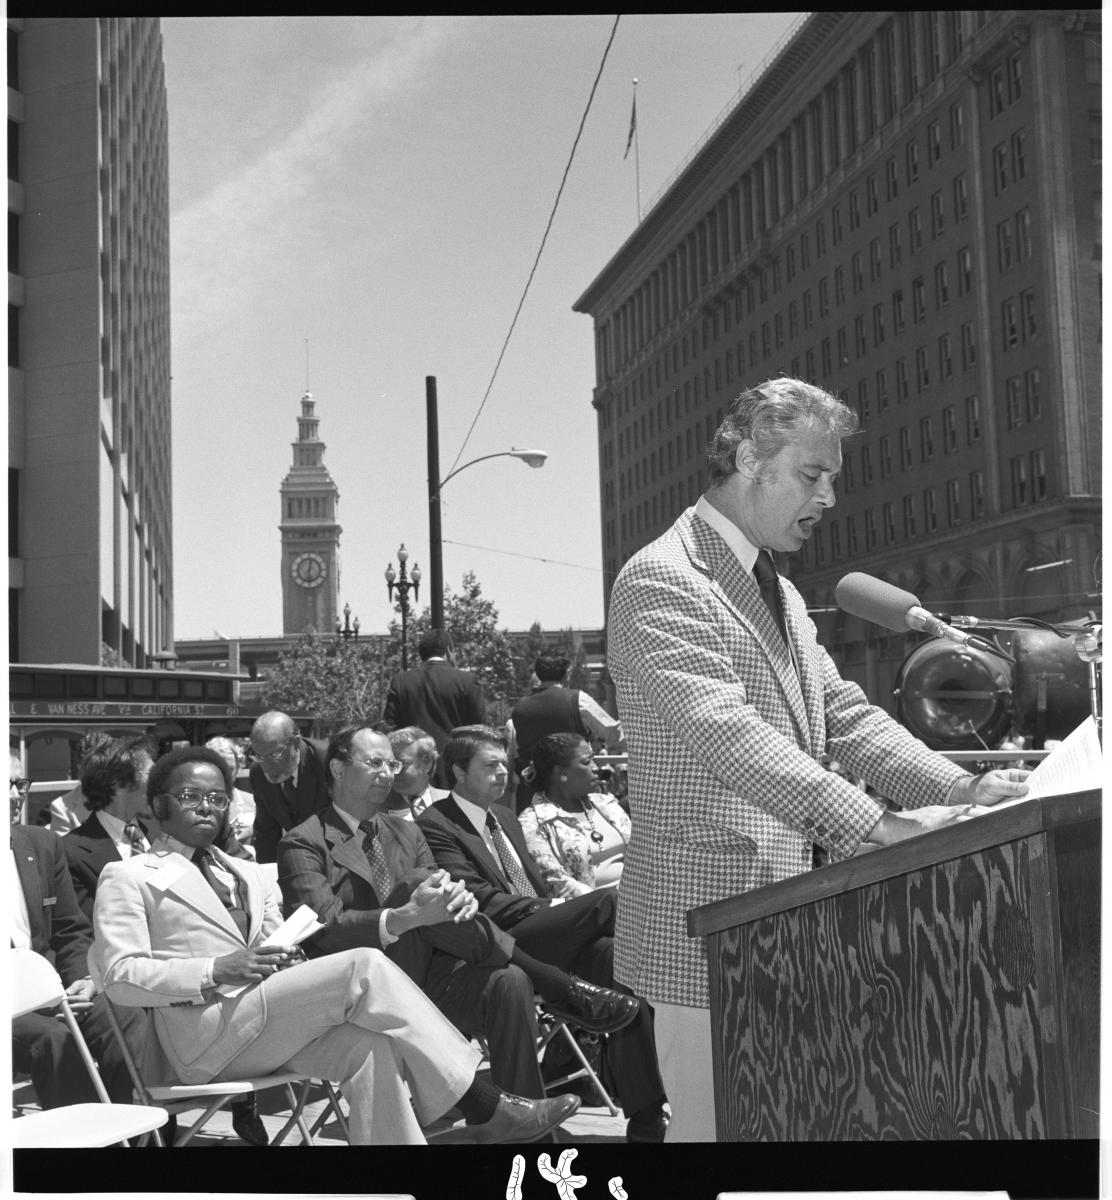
x,y
253,964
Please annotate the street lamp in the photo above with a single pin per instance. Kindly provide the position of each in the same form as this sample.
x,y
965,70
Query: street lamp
x,y
349,629
401,583
534,458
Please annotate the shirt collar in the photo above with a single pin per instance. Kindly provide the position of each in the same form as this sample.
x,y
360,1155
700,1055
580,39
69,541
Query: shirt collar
x,y
351,822
172,843
475,813
740,546
111,824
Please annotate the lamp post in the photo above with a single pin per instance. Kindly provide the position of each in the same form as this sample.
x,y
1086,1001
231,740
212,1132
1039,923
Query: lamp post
x,y
349,629
534,458
402,584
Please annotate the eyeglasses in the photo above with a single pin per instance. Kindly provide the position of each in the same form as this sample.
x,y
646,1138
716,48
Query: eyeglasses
x,y
274,755
22,786
376,764
194,798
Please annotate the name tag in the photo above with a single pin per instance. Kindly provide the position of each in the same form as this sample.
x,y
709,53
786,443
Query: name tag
x,y
49,900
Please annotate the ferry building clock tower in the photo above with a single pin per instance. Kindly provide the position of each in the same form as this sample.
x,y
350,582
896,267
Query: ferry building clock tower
x,y
310,533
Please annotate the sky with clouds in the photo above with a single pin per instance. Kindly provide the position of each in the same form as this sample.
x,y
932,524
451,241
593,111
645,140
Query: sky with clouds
x,y
356,203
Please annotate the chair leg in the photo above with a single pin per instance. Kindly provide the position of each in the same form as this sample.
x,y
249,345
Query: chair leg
x,y
296,1117
585,1069
201,1121
334,1103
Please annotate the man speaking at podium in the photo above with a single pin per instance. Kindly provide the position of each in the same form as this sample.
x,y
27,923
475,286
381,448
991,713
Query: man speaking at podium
x,y
728,703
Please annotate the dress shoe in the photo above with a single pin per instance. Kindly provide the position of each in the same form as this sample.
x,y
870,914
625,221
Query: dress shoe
x,y
647,1129
596,1009
248,1125
519,1120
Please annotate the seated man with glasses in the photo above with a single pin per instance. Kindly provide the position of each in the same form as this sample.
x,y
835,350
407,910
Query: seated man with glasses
x,y
183,929
288,780
371,879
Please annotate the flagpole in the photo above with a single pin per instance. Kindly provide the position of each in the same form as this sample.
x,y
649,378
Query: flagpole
x,y
637,155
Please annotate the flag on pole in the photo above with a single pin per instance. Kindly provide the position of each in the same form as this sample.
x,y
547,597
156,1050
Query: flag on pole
x,y
632,124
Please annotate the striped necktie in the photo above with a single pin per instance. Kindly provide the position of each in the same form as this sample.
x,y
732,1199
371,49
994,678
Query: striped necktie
x,y
515,873
235,904
372,848
133,834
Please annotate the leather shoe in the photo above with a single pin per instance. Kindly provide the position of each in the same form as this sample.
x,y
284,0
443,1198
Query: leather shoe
x,y
651,1129
519,1120
248,1125
596,1009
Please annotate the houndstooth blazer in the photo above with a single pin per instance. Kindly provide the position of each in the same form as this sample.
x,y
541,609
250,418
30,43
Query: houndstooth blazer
x,y
726,791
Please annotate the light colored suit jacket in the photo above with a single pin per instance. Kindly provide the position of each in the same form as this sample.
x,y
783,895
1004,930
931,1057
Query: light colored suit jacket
x,y
726,791
157,923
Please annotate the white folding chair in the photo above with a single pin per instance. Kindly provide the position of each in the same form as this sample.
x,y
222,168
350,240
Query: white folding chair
x,y
212,1097
36,985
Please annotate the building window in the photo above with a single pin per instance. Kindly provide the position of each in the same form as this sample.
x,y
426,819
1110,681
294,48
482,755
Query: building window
x,y
912,155
860,343
870,530
938,215
854,209
965,271
851,536
824,298
892,179
882,390
918,299
1038,475
976,494
909,518
945,357
914,231
810,358
878,324
941,285
961,199
997,91
899,316
1020,490
885,449
866,465
839,286
949,429
843,347
872,195
808,310
934,143
968,346
789,262
1013,401
1027,315
1009,322
1034,404
858,269
778,330
905,447
972,420
836,223
827,365
926,439
804,251
863,402
1023,235
793,319
1019,155
953,502
999,168
874,260
901,380
820,237
930,510
895,252
1015,78
888,515
957,126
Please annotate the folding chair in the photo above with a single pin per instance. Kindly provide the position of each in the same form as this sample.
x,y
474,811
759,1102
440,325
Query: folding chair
x,y
37,985
212,1097
551,1027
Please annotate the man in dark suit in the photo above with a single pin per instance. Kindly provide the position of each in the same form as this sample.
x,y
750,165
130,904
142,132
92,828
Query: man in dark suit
x,y
435,696
371,878
479,841
46,918
288,780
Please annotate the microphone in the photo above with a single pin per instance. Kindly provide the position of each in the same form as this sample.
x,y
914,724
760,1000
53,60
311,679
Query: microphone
x,y
883,604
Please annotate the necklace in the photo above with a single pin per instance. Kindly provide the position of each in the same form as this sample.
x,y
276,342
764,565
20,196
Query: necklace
x,y
588,809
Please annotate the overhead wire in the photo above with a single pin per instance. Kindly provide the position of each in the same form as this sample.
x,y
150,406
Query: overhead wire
x,y
540,251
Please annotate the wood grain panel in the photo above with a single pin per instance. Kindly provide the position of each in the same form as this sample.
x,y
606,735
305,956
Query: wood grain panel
x,y
909,1008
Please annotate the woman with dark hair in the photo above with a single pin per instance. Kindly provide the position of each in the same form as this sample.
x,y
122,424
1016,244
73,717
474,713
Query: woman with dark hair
x,y
575,833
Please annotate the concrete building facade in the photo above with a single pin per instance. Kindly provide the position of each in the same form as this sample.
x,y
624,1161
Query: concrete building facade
x,y
90,556
905,209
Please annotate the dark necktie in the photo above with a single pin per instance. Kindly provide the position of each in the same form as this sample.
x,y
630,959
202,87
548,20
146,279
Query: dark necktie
x,y
515,873
133,832
372,848
769,582
237,904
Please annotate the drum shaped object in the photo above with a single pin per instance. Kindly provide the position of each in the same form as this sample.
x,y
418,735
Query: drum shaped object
x,y
962,698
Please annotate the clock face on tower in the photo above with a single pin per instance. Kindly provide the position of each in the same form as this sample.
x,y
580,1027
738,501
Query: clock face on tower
x,y
308,570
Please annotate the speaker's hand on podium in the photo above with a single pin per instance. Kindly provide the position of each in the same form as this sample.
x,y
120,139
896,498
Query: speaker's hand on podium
x,y
896,827
991,787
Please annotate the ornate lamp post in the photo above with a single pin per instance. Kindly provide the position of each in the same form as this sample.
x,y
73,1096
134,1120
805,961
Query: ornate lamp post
x,y
349,629
402,584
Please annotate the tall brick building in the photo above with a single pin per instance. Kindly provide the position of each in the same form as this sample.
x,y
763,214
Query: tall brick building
x,y
904,208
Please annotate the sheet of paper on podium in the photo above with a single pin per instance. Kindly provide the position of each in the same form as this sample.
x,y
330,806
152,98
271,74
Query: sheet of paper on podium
x,y
1074,765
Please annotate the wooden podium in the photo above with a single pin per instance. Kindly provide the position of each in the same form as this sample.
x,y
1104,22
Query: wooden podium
x,y
944,988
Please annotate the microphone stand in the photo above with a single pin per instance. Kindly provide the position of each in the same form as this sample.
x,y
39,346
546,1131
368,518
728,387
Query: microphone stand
x,y
1089,643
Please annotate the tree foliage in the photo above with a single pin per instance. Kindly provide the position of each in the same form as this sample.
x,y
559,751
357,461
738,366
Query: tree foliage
x,y
337,682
